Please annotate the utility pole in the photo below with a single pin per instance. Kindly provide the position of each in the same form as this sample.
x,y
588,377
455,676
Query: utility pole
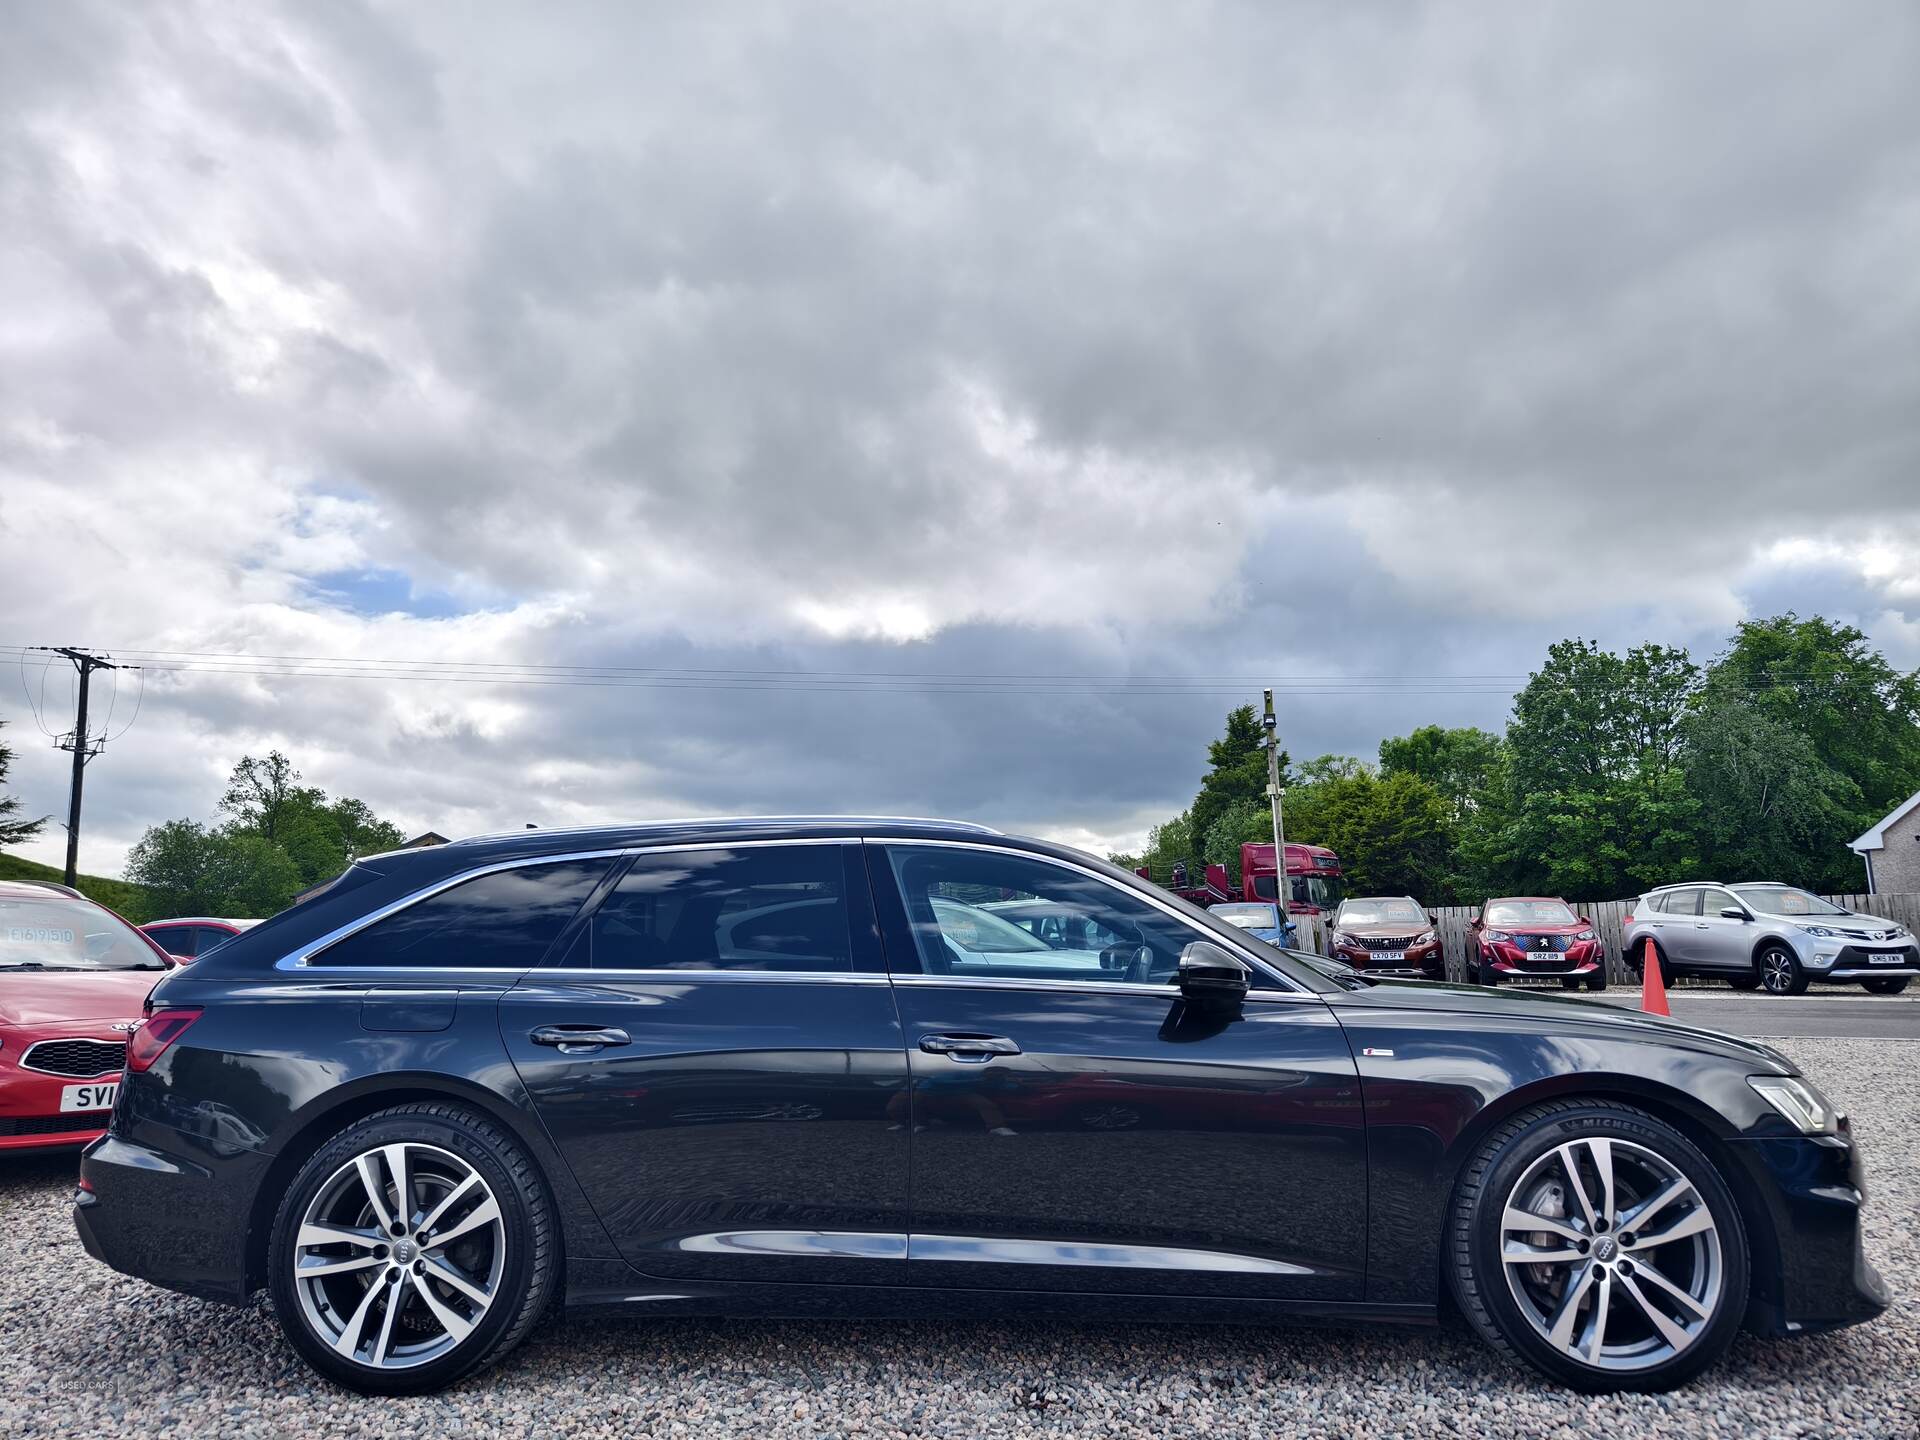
x,y
83,747
1280,885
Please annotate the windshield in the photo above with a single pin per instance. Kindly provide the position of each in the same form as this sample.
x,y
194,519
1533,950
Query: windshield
x,y
1382,912
1249,917
61,934
1323,892
1784,900
1507,913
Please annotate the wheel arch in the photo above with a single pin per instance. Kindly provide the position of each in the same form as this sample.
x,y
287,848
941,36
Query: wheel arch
x,y
355,1101
1707,1131
1771,937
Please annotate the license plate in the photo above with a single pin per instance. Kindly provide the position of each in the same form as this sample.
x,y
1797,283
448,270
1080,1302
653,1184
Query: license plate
x,y
1388,956
1898,958
88,1097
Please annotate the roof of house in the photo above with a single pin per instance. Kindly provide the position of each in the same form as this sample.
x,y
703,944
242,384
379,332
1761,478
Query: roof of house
x,y
1876,838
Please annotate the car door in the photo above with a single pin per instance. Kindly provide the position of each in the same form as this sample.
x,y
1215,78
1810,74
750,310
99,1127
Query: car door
x,y
1721,943
1078,1127
1674,920
718,1057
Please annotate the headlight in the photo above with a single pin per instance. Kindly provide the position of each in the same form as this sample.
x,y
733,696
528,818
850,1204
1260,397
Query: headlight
x,y
1804,1107
1584,935
1821,930
1425,937
1499,937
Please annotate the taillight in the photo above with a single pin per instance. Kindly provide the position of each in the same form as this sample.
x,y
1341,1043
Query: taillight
x,y
160,1029
1626,920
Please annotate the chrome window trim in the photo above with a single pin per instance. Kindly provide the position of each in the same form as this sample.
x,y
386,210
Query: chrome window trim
x,y
302,958
725,977
1253,961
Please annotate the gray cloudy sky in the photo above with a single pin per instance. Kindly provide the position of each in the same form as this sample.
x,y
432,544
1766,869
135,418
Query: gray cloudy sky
x,y
1213,341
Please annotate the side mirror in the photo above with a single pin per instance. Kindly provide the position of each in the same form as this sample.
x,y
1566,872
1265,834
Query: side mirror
x,y
1433,917
1734,912
1210,973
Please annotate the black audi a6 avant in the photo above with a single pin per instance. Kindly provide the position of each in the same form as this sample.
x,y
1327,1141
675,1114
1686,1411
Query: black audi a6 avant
x,y
834,1067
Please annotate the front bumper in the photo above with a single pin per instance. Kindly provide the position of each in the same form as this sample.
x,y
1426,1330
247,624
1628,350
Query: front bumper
x,y
169,1216
1812,1272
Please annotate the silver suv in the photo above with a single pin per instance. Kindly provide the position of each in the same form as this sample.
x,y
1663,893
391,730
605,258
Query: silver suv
x,y
1768,936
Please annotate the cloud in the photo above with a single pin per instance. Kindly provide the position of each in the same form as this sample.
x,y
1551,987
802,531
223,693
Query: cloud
x,y
1302,340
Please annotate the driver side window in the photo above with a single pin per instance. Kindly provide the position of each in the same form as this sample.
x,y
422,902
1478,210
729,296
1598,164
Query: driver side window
x,y
994,915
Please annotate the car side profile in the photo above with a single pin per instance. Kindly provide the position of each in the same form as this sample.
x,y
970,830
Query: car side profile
x,y
806,1067
1537,937
1765,935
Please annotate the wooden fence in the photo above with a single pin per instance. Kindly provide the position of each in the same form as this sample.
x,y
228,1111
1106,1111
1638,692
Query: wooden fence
x,y
1608,917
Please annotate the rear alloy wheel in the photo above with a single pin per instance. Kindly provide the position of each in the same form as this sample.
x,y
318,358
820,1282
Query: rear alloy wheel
x,y
1886,985
1600,1246
1779,971
412,1249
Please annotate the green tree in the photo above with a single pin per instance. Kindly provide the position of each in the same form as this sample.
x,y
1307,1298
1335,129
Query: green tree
x,y
278,838
1393,833
1769,805
1861,716
1237,771
13,831
264,792
1460,763
174,861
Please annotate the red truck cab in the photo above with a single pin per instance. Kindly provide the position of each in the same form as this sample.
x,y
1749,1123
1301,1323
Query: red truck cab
x,y
1315,884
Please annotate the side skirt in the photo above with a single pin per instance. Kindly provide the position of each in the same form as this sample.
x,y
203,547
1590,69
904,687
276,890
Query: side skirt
x,y
607,1286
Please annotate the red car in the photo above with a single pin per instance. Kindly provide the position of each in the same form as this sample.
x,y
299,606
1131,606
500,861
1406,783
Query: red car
x,y
1537,937
185,936
74,977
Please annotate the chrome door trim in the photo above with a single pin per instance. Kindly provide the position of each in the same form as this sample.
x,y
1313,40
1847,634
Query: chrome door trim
x,y
1002,1251
1259,966
302,958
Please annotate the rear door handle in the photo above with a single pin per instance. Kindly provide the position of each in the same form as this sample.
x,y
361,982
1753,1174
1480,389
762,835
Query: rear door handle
x,y
578,1039
971,1048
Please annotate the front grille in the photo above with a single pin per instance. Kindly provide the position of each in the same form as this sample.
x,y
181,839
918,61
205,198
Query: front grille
x,y
1541,944
82,1123
82,1058
1385,942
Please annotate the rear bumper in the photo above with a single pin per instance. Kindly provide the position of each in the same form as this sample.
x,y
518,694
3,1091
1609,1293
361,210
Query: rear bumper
x,y
164,1216
1816,1275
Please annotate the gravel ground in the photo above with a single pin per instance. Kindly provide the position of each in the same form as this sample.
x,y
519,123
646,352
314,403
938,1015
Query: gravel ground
x,y
86,1352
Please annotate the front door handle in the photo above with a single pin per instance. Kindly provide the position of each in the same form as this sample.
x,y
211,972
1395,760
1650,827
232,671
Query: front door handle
x,y
1701,925
973,1049
578,1039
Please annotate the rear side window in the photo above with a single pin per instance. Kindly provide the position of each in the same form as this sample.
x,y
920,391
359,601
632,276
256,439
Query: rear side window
x,y
770,907
175,939
502,920
1681,902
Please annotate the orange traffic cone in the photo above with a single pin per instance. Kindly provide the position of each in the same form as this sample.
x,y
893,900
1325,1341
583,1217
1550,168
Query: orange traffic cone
x,y
1653,989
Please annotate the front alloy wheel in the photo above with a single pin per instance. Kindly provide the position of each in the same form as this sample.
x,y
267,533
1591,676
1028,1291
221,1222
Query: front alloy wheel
x,y
414,1247
1611,1254
1780,972
1599,1245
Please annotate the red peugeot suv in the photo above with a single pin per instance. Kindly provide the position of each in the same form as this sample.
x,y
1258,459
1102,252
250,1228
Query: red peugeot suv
x,y
1526,936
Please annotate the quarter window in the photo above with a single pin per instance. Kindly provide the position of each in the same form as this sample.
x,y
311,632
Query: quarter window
x,y
502,920
964,909
769,907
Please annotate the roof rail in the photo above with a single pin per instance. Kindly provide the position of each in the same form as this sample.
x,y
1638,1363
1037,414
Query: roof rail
x,y
52,885
725,820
